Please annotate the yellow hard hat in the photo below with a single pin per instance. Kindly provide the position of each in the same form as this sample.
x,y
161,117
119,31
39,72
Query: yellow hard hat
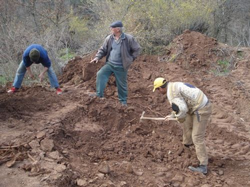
x,y
159,82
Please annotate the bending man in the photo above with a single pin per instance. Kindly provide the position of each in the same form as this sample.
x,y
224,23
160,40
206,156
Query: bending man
x,y
35,54
192,108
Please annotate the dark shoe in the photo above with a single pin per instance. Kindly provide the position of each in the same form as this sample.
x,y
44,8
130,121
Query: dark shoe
x,y
201,169
188,146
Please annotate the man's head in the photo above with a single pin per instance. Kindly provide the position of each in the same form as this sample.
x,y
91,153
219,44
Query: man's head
x,y
161,85
34,55
116,27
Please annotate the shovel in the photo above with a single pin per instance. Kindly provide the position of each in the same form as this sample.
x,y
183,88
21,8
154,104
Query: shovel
x,y
152,118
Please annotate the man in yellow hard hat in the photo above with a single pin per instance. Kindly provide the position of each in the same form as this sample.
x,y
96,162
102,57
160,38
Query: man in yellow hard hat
x,y
192,108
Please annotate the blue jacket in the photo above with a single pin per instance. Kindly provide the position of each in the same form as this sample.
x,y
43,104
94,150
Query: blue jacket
x,y
44,59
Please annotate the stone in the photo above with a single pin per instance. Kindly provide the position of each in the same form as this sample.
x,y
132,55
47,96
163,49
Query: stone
x,y
34,144
47,145
41,135
104,168
81,182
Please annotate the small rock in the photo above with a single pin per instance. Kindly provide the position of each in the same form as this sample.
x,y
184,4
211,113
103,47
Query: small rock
x,y
123,183
81,182
138,172
100,175
54,155
176,184
34,144
221,172
41,134
104,168
205,185
47,145
60,167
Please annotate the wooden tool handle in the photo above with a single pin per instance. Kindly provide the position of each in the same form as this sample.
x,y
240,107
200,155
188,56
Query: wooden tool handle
x,y
153,118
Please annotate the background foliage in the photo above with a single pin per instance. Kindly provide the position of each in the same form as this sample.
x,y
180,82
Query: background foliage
x,y
67,28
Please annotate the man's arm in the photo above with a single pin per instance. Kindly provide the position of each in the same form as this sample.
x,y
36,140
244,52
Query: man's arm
x,y
102,51
30,73
41,76
179,107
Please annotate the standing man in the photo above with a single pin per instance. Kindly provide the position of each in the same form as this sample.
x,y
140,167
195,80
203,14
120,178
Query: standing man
x,y
120,50
192,108
35,54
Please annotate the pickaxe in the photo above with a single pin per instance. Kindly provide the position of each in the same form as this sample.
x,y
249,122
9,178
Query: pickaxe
x,y
152,118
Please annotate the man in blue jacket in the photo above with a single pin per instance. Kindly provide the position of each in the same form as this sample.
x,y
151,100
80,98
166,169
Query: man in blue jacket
x,y
35,54
120,50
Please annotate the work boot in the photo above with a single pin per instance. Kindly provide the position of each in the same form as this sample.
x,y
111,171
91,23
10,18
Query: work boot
x,y
58,91
12,90
200,168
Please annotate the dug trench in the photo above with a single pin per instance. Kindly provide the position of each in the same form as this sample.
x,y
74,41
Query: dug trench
x,y
76,139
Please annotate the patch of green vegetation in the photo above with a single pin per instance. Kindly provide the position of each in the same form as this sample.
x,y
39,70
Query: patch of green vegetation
x,y
173,57
3,80
224,64
222,69
66,54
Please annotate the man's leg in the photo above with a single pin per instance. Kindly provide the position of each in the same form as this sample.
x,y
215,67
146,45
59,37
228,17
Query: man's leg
x,y
198,133
102,79
198,136
121,81
52,78
19,75
187,130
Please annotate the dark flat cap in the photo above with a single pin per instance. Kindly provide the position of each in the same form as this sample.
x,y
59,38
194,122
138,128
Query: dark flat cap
x,y
116,24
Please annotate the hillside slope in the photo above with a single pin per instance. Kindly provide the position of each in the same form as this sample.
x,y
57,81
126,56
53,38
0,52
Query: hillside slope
x,y
74,139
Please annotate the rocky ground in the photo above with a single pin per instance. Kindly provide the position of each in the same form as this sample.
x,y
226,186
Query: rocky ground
x,y
77,140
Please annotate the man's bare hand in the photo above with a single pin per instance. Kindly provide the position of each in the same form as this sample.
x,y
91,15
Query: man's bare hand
x,y
32,76
170,117
94,60
41,76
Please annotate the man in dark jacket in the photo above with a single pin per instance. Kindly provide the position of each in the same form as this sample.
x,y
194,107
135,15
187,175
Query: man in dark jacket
x,y
35,54
120,50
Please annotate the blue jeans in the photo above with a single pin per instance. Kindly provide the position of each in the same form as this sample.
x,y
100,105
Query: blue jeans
x,y
22,70
121,81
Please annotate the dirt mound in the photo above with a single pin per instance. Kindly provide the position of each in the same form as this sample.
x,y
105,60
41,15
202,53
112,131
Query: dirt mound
x,y
74,139
194,50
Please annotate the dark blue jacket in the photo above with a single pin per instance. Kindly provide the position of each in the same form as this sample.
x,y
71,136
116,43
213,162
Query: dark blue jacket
x,y
44,59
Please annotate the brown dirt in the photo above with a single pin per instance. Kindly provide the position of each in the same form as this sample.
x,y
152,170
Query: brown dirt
x,y
77,140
